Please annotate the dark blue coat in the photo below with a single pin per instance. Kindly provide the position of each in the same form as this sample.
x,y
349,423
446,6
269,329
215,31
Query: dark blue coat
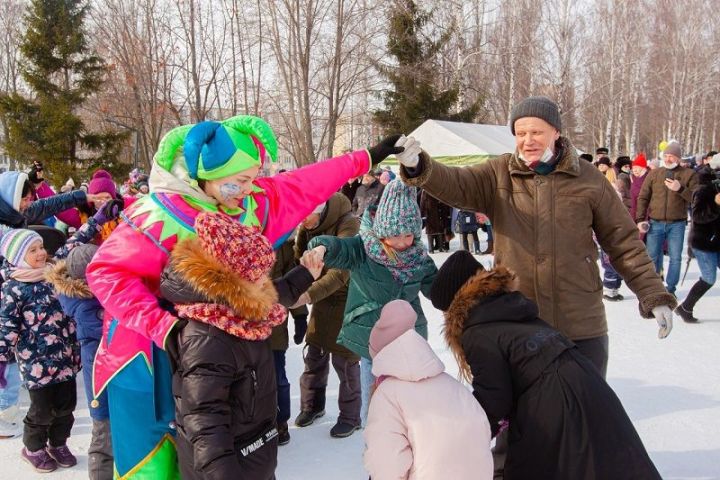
x,y
79,303
467,222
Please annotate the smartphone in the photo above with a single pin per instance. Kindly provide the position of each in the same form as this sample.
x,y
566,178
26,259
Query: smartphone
x,y
669,175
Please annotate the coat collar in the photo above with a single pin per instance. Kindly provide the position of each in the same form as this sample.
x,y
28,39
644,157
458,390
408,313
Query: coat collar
x,y
569,163
481,285
220,284
64,284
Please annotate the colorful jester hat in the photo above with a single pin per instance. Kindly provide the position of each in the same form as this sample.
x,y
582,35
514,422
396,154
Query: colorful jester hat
x,y
214,150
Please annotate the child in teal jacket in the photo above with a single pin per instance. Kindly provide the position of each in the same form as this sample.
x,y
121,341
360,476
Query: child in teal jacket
x,y
387,261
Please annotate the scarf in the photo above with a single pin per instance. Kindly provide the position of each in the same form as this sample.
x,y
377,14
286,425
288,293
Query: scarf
x,y
402,265
544,168
29,275
227,320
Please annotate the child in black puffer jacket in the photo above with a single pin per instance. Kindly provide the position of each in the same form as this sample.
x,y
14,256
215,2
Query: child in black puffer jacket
x,y
564,421
224,379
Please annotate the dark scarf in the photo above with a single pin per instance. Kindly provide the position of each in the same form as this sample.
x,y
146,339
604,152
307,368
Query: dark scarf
x,y
544,168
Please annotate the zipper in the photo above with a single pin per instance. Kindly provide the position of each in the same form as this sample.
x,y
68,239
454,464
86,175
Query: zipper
x,y
253,376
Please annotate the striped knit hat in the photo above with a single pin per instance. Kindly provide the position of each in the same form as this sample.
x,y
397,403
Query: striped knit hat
x,y
15,244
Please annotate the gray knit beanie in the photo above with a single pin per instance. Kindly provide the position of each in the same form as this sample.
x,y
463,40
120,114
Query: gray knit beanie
x,y
78,260
539,107
673,148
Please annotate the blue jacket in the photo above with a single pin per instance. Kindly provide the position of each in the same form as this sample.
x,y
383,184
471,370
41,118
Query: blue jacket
x,y
466,222
11,184
79,303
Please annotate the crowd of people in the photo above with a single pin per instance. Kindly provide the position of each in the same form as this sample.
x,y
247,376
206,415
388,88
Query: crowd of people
x,y
661,195
172,294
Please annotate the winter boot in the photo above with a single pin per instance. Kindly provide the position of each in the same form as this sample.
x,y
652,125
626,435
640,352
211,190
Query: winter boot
x,y
62,456
283,433
307,418
685,309
40,460
342,429
612,295
431,243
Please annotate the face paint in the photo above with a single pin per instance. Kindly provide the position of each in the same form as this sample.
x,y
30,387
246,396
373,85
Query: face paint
x,y
229,191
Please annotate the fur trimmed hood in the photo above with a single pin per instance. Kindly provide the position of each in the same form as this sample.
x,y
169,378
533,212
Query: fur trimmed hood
x,y
218,284
64,284
495,289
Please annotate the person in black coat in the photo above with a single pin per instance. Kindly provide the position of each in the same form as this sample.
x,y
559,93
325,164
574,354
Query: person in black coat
x,y
224,378
563,420
704,238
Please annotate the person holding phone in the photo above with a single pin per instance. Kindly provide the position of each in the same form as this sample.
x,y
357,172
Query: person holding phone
x,y
665,197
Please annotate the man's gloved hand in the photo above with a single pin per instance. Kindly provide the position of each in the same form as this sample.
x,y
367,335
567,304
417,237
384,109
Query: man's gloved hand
x,y
300,329
384,149
109,211
664,317
3,380
410,156
36,173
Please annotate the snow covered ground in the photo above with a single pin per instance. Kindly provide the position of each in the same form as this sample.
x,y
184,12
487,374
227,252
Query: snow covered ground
x,y
670,388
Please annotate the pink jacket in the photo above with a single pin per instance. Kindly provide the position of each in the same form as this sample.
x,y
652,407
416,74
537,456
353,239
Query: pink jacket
x,y
125,272
422,423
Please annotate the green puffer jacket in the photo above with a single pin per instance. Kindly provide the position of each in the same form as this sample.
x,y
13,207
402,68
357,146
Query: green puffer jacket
x,y
371,287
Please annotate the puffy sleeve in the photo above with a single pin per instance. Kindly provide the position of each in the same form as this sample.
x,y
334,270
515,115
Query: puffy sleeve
x,y
292,196
388,454
10,316
124,275
70,216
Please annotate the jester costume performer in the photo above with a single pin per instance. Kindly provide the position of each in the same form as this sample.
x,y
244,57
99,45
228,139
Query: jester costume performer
x,y
125,273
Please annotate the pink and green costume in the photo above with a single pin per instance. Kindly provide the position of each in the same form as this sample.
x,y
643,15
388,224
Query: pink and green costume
x,y
125,273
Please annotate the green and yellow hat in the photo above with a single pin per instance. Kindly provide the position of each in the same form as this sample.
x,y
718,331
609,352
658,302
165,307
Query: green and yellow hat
x,y
215,150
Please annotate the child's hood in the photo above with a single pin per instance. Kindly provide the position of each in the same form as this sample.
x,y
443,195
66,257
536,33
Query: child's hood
x,y
488,296
64,284
11,185
409,358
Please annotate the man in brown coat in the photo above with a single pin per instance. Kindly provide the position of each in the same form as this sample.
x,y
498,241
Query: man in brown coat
x,y
327,296
665,197
544,205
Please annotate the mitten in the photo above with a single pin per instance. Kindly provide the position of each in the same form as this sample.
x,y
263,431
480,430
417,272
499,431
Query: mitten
x,y
109,211
300,329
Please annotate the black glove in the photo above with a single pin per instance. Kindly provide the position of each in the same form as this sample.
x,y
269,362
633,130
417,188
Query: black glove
x,y
300,329
36,173
385,148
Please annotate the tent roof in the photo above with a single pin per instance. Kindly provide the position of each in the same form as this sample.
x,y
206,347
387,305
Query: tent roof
x,y
455,139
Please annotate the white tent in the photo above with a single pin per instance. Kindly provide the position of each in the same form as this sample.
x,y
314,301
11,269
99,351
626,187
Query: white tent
x,y
463,143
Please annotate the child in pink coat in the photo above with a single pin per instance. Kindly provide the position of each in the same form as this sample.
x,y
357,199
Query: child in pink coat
x,y
422,423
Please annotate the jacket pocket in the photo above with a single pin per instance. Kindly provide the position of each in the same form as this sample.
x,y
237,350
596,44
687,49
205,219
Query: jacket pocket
x,y
595,282
244,395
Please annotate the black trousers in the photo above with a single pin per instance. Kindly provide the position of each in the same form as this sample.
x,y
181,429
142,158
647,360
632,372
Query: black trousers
x,y
597,351
50,417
